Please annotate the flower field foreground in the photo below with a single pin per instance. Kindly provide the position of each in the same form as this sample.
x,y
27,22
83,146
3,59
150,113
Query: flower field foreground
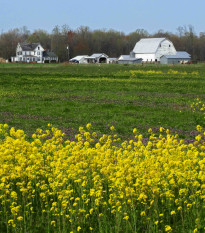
x,y
100,184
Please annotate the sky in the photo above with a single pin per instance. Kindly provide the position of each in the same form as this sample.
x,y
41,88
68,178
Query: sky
x,y
121,15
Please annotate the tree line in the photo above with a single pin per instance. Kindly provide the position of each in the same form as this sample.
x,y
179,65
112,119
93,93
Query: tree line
x,y
84,41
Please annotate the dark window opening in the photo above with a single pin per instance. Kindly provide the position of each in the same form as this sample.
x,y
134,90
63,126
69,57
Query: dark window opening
x,y
102,60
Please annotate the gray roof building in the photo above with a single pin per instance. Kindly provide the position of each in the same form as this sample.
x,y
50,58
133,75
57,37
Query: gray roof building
x,y
127,59
178,58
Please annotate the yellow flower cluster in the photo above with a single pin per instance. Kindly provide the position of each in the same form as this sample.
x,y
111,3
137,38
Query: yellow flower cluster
x,y
99,183
198,108
135,73
170,72
198,105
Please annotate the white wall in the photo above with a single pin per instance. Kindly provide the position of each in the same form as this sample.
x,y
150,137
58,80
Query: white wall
x,y
146,57
165,48
39,49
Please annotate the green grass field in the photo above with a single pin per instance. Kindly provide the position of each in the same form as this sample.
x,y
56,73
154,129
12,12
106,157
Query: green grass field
x,y
69,96
100,181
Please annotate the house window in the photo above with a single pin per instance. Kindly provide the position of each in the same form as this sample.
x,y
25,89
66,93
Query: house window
x,y
38,48
169,45
38,53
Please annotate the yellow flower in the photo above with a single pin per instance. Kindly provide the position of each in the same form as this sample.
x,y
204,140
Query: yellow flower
x,y
143,213
112,128
53,223
79,228
135,131
173,212
126,217
168,228
88,126
20,218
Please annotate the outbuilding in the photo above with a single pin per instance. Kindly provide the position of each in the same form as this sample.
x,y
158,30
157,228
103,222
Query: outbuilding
x,y
127,59
181,57
79,59
100,57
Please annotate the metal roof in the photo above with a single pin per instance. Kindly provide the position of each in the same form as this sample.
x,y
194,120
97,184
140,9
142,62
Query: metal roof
x,y
179,55
78,58
89,57
97,55
128,58
148,45
112,58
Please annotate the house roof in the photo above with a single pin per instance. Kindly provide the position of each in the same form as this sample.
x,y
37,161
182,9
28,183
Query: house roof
x,y
148,45
28,46
89,57
112,58
179,55
49,54
128,58
96,55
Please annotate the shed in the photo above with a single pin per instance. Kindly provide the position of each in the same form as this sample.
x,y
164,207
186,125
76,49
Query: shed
x,y
100,57
179,58
112,60
127,59
79,59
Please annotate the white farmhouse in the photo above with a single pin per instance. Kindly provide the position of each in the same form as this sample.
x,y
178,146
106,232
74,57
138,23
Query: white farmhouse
x,y
33,52
151,49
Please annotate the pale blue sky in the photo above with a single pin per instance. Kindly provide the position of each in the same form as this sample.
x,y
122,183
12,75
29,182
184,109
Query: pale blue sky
x,y
120,15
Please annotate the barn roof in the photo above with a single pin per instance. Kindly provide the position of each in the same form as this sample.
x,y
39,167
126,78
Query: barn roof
x,y
148,45
179,55
28,46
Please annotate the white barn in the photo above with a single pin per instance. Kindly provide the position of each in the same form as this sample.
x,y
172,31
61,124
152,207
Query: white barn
x,y
151,49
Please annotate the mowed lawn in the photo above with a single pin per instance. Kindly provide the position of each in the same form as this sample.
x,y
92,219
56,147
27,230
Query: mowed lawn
x,y
69,96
